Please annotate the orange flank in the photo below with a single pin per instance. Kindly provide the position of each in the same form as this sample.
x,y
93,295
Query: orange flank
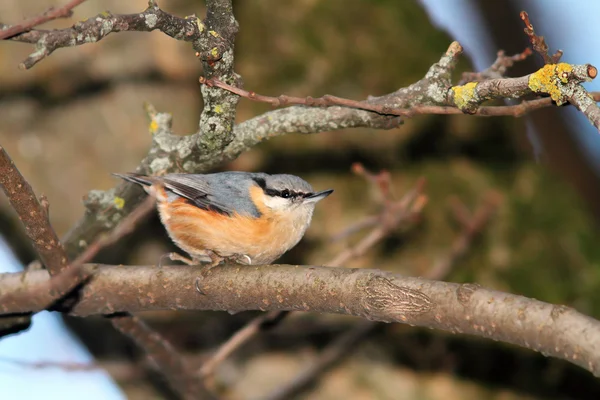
x,y
194,229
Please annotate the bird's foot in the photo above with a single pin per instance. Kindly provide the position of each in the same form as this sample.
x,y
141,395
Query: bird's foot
x,y
177,257
243,259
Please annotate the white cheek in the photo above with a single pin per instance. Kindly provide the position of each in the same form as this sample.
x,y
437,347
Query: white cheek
x,y
276,203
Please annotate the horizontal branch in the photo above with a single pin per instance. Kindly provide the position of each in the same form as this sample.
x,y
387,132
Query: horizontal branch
x,y
560,81
554,330
96,28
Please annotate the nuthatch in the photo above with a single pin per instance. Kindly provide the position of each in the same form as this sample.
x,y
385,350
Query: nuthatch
x,y
252,218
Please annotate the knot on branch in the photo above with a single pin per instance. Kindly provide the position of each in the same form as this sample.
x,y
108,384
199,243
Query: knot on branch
x,y
383,299
556,80
465,292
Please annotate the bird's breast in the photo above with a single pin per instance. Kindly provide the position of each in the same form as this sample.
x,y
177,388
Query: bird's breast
x,y
263,239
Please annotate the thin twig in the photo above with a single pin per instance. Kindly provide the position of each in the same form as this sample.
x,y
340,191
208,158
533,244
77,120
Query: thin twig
x,y
538,42
330,356
517,110
391,216
498,68
251,329
346,343
52,13
471,227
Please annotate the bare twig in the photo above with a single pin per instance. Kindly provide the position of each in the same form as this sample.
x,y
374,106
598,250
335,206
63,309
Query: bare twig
x,y
344,345
497,69
48,15
391,216
335,351
471,227
538,42
251,329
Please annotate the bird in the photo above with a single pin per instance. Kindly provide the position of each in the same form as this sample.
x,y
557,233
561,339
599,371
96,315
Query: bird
x,y
250,218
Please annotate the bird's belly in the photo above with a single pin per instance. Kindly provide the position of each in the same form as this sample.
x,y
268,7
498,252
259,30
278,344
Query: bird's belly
x,y
195,230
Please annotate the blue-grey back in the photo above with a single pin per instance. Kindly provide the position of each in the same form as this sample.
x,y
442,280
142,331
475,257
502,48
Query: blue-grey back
x,y
227,192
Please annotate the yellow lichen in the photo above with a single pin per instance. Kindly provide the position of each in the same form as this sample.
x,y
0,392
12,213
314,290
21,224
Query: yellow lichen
x,y
119,202
214,52
218,109
215,34
200,24
153,127
464,95
548,80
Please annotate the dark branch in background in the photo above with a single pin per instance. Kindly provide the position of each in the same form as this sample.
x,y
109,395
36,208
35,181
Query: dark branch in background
x,y
334,352
554,330
392,215
471,227
37,226
33,216
163,357
348,342
53,13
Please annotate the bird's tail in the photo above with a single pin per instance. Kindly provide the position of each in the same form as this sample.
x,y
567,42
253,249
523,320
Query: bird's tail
x,y
136,178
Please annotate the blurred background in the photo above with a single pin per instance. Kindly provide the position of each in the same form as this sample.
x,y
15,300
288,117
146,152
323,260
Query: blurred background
x,y
77,116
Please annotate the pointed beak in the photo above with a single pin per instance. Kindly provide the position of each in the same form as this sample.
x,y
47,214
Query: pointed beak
x,y
313,198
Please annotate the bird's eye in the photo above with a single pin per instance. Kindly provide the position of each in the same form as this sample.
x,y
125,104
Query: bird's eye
x,y
286,194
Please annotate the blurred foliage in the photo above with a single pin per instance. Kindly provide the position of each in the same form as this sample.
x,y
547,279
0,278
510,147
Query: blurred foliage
x,y
77,116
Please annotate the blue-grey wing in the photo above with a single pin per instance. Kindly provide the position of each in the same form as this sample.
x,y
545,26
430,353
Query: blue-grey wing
x,y
225,192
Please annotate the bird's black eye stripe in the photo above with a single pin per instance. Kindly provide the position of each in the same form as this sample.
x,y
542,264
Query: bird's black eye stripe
x,y
272,192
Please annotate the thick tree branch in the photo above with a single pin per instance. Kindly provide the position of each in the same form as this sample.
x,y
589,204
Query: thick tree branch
x,y
393,214
344,344
554,330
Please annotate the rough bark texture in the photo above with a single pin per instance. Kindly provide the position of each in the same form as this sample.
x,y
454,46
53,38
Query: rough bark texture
x,y
554,330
